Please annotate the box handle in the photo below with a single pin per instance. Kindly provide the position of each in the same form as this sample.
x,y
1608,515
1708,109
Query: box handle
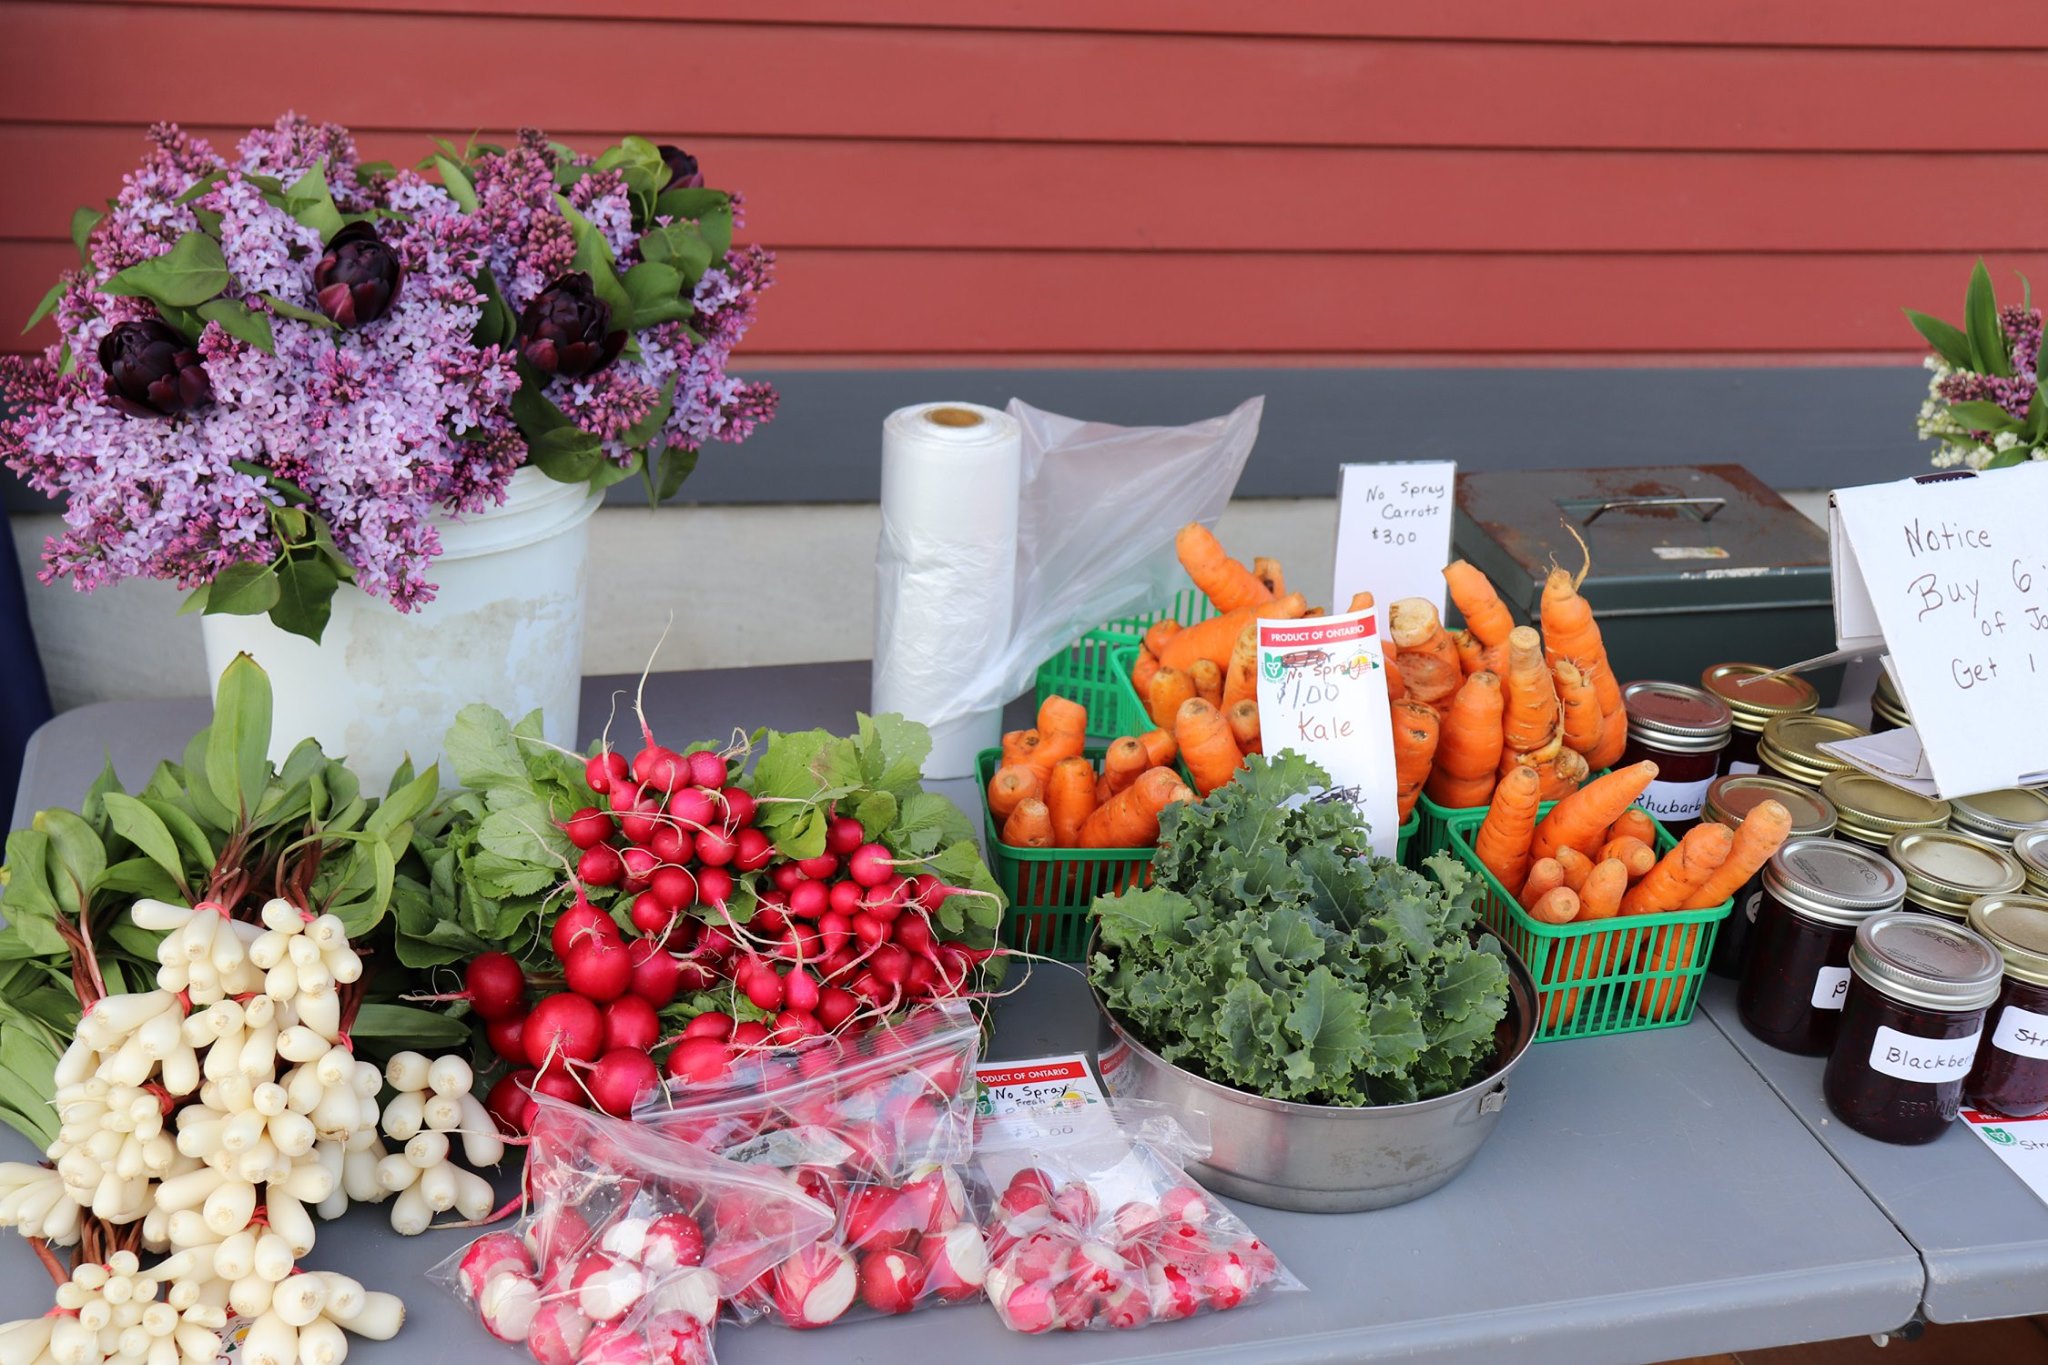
x,y
1707,506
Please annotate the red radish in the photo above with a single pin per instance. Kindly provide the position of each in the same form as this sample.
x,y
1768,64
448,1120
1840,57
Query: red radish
x,y
921,981
507,1305
875,1219
869,931
673,1240
710,1024
639,823
579,922
557,1084
659,768
1173,1293
1136,1221
872,989
822,868
491,1255
835,965
1127,1306
563,1027
763,989
640,864
615,1343
605,1286
716,943
691,1291
739,806
694,976
671,843
890,1281
815,1286
1097,1268
809,899
955,1263
800,991
600,866
752,1033
656,976
843,835
834,931
599,969
509,1103
630,1022
752,850
1026,1305
495,985
699,1060
844,896
933,1199
714,886
682,934
707,769
715,848
785,876
674,887
870,865
822,1183
589,827
954,968
1044,1255
508,1038
677,1339
555,1236
1258,1260
927,891
695,808
835,1007
605,769
886,901
794,1025
1222,1280
915,933
620,1078
557,1333
1075,1205
648,914
1185,1204
769,920
890,963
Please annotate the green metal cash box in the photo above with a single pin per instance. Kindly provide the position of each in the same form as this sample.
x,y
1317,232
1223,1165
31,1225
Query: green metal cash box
x,y
1693,565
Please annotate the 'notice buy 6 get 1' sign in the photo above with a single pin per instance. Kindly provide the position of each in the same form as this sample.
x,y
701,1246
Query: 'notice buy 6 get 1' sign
x,y
1322,695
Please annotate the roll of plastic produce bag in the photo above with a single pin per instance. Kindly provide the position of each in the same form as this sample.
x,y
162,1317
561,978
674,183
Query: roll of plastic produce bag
x,y
961,621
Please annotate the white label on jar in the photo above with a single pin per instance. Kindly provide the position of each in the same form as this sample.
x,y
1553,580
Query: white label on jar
x,y
2023,1033
1932,1060
1749,907
1670,801
1830,985
1736,765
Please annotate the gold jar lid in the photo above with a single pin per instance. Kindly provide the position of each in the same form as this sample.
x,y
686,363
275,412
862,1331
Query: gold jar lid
x,y
1886,701
1733,796
1755,695
1791,748
1947,872
2018,927
2000,816
1871,810
2032,851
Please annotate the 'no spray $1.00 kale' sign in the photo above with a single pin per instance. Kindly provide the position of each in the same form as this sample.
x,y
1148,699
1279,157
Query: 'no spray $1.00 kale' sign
x,y
1323,694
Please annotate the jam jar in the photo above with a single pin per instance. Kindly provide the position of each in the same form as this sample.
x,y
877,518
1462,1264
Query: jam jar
x,y
1729,802
2011,1075
1871,810
1999,817
1918,990
1887,708
2032,851
1790,747
1815,894
1755,696
1683,731
1947,872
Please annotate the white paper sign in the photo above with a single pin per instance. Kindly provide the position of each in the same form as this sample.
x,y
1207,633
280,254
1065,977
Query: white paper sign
x,y
1952,576
2022,1144
1393,530
1323,694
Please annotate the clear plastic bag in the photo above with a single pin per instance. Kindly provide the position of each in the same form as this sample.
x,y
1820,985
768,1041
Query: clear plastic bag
x,y
630,1242
1093,1225
879,1128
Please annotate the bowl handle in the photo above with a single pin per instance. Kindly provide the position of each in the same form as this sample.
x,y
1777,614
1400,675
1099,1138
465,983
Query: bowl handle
x,y
1492,1102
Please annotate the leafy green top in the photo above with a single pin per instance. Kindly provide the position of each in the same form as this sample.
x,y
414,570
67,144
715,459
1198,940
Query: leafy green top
x,y
1272,954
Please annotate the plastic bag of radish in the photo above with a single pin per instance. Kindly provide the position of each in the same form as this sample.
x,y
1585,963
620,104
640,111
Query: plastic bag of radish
x,y
879,1126
630,1242
1093,1225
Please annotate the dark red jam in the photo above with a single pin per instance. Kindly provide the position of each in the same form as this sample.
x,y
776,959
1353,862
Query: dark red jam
x,y
1814,894
1683,731
2011,1075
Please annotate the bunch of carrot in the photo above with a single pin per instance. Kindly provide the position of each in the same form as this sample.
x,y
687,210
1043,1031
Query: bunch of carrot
x,y
1593,857
1048,794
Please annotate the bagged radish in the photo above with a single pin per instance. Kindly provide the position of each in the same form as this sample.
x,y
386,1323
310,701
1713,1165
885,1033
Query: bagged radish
x,y
630,1242
1092,1223
879,1127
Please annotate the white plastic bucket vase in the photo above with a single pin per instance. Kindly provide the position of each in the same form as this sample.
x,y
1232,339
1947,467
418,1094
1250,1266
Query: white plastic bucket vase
x,y
505,627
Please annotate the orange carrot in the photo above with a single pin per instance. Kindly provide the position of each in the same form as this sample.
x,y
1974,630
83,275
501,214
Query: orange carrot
x,y
1580,821
1123,761
1019,746
1570,632
1206,747
1767,826
1397,686
1502,842
1545,876
1012,784
1269,572
1217,636
1670,954
1680,873
1170,687
1144,669
1223,580
1471,654
1415,628
1427,678
1130,819
1606,884
1468,754
1579,705
1563,774
1241,678
1577,866
1529,720
1062,733
1159,747
1634,823
1029,825
1559,905
1244,725
1069,800
1635,856
1158,633
1613,740
1208,681
1486,616
1416,732
1360,601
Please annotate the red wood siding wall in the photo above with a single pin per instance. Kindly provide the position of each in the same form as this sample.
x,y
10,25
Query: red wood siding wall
x,y
1091,180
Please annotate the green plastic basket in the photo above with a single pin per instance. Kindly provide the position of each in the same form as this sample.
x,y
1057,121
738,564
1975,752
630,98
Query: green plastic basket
x,y
1084,671
1435,835
1590,981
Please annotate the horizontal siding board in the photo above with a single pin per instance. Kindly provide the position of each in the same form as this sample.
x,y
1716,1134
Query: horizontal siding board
x,y
996,303
69,63
812,193
1816,23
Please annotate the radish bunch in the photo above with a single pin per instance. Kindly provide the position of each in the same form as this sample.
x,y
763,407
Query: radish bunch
x,y
1058,1261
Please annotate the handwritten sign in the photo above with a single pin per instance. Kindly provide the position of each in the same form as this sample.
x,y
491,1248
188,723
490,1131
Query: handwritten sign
x,y
1950,575
1323,694
1394,530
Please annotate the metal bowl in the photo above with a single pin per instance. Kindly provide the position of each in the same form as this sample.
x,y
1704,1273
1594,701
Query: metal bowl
x,y
1318,1158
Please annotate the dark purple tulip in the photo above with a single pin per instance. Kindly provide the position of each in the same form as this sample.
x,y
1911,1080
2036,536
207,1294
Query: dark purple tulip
x,y
682,168
567,329
358,276
152,371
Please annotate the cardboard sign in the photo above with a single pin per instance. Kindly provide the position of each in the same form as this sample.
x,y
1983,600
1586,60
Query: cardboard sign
x,y
1393,530
1323,694
1949,574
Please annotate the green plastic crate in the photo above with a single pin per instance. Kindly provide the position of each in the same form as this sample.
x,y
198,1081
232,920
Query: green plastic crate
x,y
1084,671
1435,834
1588,981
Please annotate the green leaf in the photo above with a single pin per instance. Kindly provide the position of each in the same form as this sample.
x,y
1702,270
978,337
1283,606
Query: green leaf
x,y
76,859
238,741
298,314
1980,416
309,200
679,245
456,183
305,595
209,222
47,306
2006,459
677,464
83,221
239,322
195,600
242,590
684,202
566,454
410,1026
480,749
717,229
495,326
1980,321
1947,340
187,275
145,829
185,829
638,163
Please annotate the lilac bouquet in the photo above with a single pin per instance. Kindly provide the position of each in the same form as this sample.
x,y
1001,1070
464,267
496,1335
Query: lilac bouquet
x,y
277,368
1986,406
